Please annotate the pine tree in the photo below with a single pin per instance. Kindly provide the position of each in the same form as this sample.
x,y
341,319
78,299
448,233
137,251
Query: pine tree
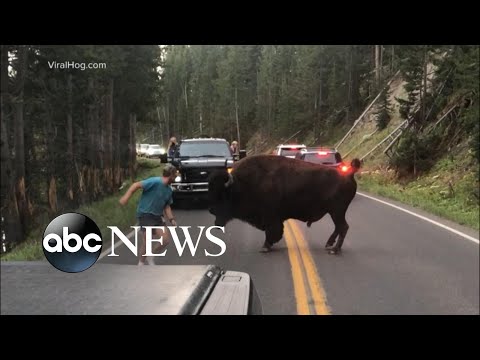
x,y
467,70
382,115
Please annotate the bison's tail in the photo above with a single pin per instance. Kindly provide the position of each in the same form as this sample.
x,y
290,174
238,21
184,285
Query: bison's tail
x,y
356,164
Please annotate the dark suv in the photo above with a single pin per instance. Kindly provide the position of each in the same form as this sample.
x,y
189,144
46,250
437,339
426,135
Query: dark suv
x,y
196,159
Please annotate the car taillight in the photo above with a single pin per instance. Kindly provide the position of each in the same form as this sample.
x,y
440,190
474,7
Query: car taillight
x,y
229,170
323,153
344,168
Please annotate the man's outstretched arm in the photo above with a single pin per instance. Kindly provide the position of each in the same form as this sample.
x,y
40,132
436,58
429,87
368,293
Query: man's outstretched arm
x,y
169,215
135,186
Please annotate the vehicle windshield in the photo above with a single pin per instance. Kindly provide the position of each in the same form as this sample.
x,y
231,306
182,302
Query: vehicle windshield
x,y
204,148
326,159
289,151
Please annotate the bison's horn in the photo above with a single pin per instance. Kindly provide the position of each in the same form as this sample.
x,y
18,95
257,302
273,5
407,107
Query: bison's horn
x,y
230,181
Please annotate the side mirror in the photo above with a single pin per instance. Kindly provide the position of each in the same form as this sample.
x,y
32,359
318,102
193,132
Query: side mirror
x,y
163,158
243,153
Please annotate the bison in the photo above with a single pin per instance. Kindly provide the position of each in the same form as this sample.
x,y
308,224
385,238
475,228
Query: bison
x,y
266,190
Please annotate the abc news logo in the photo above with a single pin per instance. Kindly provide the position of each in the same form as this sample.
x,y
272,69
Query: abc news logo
x,y
72,242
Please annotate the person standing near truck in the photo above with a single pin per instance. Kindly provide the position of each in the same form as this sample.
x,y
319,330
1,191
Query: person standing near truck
x,y
172,147
234,148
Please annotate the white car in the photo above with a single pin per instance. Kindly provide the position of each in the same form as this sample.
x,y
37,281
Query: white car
x,y
289,150
142,150
154,151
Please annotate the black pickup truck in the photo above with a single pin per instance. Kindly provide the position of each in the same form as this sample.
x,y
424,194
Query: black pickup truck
x,y
196,159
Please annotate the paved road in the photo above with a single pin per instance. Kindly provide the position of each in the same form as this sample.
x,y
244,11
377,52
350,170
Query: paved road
x,y
392,263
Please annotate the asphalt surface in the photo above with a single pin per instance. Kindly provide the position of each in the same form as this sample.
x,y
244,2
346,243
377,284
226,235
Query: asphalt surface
x,y
391,263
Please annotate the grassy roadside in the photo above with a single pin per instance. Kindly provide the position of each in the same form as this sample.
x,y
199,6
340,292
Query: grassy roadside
x,y
445,192
106,212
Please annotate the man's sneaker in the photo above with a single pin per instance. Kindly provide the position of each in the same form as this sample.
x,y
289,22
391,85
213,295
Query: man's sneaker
x,y
150,260
141,263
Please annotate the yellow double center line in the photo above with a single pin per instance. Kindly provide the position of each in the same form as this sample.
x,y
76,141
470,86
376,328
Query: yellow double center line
x,y
309,293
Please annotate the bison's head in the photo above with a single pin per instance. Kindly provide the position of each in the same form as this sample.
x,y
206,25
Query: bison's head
x,y
219,196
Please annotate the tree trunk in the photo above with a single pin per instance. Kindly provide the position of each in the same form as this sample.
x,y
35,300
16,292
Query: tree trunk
x,y
320,100
333,104
52,194
424,87
31,192
269,110
160,126
20,137
415,149
124,144
70,165
5,149
167,127
381,63
355,82
116,149
50,132
108,170
236,117
377,66
349,87
186,96
186,120
174,122
97,156
133,155
100,116
10,223
392,66
91,149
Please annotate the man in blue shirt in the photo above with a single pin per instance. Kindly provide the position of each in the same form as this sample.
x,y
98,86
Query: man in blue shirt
x,y
155,201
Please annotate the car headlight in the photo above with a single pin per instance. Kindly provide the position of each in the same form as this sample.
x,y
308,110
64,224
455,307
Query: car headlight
x,y
178,179
162,151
